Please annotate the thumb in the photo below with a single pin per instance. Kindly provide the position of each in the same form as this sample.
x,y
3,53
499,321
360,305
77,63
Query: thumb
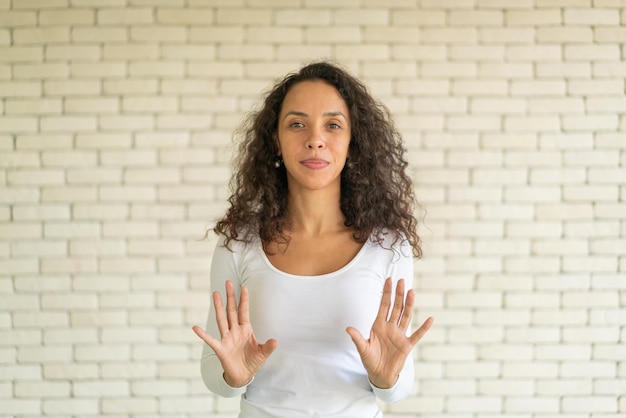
x,y
357,338
269,347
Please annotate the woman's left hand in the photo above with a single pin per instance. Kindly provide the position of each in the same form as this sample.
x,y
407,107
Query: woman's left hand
x,y
388,346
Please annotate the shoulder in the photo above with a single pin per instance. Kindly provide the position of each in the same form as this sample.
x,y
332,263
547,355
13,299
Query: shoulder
x,y
394,241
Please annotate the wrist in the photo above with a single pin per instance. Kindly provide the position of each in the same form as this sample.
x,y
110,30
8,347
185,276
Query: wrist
x,y
383,383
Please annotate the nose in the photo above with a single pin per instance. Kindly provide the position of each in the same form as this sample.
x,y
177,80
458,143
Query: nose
x,y
315,140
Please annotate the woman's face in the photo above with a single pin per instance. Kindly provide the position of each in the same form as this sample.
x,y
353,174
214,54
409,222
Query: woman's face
x,y
313,136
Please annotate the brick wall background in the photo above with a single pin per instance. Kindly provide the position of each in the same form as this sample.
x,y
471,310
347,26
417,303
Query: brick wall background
x,y
115,124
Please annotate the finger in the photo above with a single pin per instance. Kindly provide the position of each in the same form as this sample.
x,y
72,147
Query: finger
x,y
244,306
407,314
398,303
385,302
231,305
269,347
421,331
357,338
211,342
220,316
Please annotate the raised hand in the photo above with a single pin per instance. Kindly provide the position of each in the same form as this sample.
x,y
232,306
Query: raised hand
x,y
238,350
388,347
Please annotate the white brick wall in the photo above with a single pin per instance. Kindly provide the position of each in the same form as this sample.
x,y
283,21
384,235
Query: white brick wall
x,y
115,119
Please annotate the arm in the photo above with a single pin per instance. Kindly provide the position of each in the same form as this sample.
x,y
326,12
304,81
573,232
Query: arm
x,y
387,354
231,356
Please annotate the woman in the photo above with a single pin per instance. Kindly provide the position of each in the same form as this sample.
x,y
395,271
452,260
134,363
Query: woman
x,y
320,225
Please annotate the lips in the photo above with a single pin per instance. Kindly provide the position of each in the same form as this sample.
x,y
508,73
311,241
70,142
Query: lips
x,y
314,163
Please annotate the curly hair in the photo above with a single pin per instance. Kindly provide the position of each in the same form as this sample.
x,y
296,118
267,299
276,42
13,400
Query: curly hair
x,y
377,195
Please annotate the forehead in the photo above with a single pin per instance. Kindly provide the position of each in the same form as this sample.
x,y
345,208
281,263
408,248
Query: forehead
x,y
311,94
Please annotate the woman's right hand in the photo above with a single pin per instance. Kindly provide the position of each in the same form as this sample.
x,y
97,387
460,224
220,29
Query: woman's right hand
x,y
238,350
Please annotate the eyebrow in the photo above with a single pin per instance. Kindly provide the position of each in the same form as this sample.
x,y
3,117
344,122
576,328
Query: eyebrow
x,y
297,113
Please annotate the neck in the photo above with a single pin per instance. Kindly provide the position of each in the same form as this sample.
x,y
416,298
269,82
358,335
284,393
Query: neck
x,y
315,213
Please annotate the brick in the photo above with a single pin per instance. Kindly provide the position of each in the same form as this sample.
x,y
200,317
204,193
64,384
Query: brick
x,y
592,53
37,284
100,247
128,158
198,16
130,86
20,406
42,390
538,88
286,17
449,70
73,52
20,89
532,123
557,176
595,87
64,371
158,33
564,69
126,122
127,16
180,122
591,17
68,158
40,212
103,140
480,87
449,35
448,4
604,264
505,387
566,140
99,318
17,18
505,70
556,105
41,71
502,211
30,248
18,124
47,35
143,51
149,104
71,230
460,18
33,107
373,34
605,104
217,34
564,34
91,106
488,105
537,17
99,211
51,354
473,369
100,69
189,52
21,54
528,404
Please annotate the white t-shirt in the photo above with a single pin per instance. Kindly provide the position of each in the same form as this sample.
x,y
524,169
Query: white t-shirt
x,y
316,370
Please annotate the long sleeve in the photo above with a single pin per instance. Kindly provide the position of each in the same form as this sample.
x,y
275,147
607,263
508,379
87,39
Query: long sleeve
x,y
223,268
400,268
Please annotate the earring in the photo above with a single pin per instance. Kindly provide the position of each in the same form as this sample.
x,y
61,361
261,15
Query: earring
x,y
277,162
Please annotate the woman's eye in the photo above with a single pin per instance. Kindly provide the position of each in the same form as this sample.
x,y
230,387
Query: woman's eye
x,y
296,124
334,126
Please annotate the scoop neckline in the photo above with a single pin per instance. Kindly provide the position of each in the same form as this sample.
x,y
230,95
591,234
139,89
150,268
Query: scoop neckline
x,y
347,266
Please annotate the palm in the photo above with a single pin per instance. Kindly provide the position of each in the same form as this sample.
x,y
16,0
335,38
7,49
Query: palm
x,y
385,352
238,350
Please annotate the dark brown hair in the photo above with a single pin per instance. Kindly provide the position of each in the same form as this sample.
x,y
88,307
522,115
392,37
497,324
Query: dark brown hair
x,y
376,192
